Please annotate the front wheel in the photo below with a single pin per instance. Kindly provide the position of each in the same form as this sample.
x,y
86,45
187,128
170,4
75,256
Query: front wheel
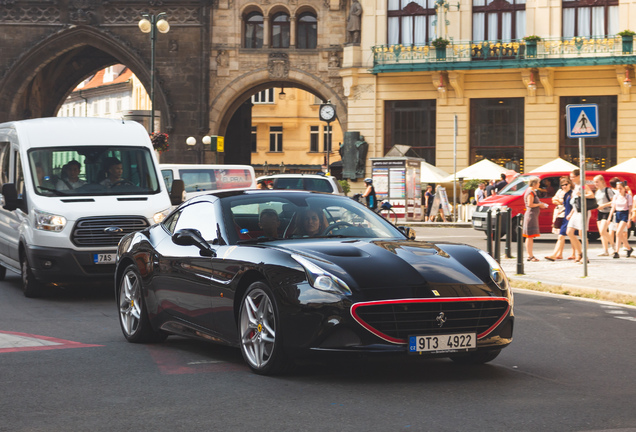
x,y
31,287
260,331
133,316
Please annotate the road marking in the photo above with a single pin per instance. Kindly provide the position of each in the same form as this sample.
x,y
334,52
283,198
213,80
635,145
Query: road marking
x,y
15,342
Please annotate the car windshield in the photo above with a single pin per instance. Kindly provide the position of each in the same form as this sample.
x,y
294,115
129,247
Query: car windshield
x,y
93,170
272,216
515,187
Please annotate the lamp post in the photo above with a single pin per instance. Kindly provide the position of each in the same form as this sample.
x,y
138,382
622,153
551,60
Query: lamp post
x,y
192,141
150,23
327,113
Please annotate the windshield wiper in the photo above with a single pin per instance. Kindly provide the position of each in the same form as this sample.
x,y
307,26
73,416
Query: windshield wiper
x,y
55,191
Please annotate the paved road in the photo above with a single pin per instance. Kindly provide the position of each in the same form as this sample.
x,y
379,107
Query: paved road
x,y
66,366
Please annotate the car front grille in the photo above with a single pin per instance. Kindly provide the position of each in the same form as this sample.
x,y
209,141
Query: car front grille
x,y
396,320
105,231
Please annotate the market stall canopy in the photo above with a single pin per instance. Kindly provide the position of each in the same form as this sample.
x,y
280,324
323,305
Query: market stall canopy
x,y
485,169
555,166
627,166
432,174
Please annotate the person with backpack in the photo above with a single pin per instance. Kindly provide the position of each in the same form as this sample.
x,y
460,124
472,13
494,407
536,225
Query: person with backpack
x,y
369,194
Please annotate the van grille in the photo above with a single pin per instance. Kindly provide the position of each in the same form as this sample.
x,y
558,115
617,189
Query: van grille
x,y
93,231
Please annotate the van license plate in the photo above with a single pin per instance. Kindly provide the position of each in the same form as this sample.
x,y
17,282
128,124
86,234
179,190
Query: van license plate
x,y
104,258
476,222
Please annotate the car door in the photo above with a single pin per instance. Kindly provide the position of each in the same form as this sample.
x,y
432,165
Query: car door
x,y
188,284
10,219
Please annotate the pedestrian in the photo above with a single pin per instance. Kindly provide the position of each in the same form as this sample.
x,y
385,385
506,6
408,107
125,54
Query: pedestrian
x,y
612,225
575,219
369,194
490,189
563,207
480,193
501,183
603,197
622,202
428,201
531,217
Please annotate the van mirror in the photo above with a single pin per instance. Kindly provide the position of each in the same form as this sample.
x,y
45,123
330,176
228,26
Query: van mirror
x,y
177,194
10,197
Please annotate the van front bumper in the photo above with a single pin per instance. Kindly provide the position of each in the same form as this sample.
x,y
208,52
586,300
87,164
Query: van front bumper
x,y
68,266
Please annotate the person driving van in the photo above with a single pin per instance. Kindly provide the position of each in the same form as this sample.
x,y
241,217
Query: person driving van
x,y
114,172
70,176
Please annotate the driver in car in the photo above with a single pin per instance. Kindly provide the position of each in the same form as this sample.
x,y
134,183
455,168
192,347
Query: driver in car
x,y
114,171
312,223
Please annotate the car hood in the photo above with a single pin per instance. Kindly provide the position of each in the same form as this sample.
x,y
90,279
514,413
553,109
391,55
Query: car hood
x,y
381,264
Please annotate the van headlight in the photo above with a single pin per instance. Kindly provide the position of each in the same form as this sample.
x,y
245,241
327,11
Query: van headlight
x,y
321,279
160,216
496,272
48,221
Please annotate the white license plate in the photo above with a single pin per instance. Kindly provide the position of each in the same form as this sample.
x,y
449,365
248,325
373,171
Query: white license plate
x,y
477,222
443,343
104,258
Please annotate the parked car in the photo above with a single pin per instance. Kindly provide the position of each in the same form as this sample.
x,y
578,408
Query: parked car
x,y
512,197
200,179
211,271
71,189
308,182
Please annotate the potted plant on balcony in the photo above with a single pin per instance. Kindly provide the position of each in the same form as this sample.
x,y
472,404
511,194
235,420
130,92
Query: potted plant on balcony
x,y
628,40
440,45
531,45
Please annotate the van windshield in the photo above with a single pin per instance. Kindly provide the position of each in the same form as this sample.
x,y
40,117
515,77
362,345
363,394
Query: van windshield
x,y
515,187
93,170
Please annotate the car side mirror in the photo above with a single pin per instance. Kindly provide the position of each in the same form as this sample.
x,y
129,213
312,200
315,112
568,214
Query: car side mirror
x,y
408,232
10,197
177,194
192,237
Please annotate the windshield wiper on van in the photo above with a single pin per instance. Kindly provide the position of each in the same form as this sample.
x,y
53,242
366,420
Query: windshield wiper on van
x,y
55,191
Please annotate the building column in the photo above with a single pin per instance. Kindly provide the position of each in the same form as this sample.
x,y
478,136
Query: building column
x,y
292,31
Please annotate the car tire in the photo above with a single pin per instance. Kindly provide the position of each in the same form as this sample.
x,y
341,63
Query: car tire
x,y
476,357
31,287
260,333
133,315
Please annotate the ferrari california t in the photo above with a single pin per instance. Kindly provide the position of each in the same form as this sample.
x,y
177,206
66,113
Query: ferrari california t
x,y
284,274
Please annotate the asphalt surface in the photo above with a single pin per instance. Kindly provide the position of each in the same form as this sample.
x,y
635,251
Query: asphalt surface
x,y
616,276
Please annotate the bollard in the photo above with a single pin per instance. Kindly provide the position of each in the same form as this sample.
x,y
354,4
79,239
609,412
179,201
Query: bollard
x,y
489,231
519,228
497,239
509,228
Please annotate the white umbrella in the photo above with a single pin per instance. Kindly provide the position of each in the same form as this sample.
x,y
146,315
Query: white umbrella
x,y
627,166
556,165
483,170
431,174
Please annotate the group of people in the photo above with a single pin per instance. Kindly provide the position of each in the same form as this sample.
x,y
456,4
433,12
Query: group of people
x,y
70,175
616,210
483,191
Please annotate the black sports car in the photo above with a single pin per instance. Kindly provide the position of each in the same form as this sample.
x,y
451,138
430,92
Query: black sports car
x,y
281,274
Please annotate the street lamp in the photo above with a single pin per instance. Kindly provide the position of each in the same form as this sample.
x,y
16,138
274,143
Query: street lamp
x,y
192,141
150,23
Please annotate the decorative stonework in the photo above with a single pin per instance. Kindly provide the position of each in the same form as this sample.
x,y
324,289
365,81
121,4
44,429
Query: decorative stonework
x,y
132,14
47,14
82,11
278,65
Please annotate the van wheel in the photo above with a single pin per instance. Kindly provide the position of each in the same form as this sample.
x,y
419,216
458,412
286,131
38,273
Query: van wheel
x,y
30,286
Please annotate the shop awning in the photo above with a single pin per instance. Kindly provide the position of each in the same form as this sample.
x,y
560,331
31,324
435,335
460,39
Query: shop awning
x,y
556,165
627,166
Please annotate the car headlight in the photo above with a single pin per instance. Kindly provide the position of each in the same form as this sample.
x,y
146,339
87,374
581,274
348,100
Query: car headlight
x,y
48,221
496,272
321,279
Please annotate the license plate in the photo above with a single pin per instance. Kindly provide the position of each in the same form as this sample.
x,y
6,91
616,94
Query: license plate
x,y
443,343
477,222
104,258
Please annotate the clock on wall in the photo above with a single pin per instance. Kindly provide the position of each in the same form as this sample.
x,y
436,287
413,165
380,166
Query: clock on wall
x,y
327,112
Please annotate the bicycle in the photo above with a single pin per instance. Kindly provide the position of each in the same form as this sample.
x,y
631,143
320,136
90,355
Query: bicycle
x,y
385,209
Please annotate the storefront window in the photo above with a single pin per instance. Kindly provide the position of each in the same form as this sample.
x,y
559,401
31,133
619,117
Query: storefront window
x,y
411,123
600,153
496,131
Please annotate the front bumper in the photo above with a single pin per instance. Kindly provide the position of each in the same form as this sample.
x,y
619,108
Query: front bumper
x,y
68,266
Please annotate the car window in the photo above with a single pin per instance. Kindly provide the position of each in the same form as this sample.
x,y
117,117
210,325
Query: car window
x,y
318,185
515,187
199,216
168,178
548,187
288,183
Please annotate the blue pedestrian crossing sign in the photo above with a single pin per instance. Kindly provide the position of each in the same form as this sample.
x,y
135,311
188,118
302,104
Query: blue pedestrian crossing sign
x,y
582,120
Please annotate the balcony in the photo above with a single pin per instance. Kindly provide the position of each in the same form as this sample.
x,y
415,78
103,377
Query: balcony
x,y
471,55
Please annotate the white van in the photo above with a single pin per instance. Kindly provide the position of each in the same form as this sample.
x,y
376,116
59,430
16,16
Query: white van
x,y
202,179
71,189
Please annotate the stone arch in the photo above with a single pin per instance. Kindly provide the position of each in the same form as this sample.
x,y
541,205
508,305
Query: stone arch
x,y
61,61
276,8
240,89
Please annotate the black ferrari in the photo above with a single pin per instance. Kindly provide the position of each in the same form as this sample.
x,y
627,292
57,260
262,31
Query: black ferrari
x,y
284,274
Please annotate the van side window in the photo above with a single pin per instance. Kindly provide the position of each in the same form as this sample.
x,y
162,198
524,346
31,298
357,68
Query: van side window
x,y
19,175
4,162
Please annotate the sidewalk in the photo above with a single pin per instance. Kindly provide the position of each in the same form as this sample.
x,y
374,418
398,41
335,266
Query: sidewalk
x,y
617,276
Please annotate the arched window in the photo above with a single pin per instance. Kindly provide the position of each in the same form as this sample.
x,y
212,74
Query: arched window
x,y
590,18
499,19
280,30
307,31
254,30
410,22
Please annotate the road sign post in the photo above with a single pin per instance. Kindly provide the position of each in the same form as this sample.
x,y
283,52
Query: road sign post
x,y
582,122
